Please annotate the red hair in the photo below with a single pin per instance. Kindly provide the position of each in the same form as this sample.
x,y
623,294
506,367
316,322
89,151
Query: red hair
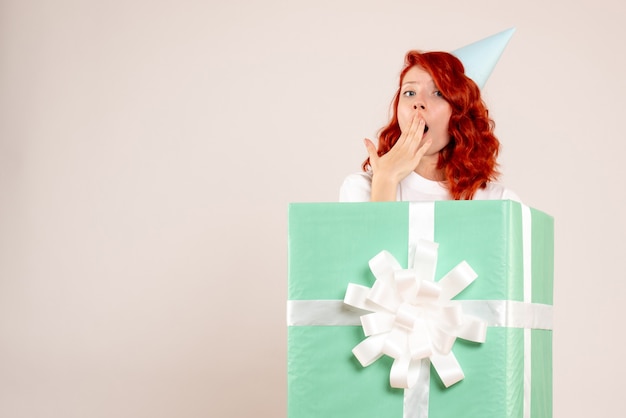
x,y
469,160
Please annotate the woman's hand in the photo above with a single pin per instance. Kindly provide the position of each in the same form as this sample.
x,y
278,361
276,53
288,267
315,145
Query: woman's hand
x,y
389,169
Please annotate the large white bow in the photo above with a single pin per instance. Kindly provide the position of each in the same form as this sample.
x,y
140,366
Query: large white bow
x,y
413,317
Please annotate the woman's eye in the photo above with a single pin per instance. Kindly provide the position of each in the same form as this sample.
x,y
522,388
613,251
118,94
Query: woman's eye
x,y
437,93
408,93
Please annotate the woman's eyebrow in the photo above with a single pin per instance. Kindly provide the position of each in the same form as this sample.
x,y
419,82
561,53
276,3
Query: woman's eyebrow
x,y
428,84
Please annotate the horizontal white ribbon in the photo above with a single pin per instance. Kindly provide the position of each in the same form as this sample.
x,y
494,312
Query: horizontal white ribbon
x,y
496,313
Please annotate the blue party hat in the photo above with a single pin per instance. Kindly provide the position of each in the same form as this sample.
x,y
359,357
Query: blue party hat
x,y
480,57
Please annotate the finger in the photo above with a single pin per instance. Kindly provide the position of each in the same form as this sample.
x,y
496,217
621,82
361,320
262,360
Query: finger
x,y
423,149
415,135
407,137
371,149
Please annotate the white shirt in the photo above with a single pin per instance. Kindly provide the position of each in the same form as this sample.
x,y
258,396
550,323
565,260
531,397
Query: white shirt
x,y
415,188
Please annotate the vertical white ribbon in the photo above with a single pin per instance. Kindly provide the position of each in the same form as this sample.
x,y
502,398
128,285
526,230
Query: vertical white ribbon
x,y
528,295
421,226
416,398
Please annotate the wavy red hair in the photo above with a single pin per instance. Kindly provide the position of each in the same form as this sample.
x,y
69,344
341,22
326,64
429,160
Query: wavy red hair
x,y
469,160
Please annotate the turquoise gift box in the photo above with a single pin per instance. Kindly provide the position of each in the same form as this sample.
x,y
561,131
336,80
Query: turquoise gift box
x,y
509,246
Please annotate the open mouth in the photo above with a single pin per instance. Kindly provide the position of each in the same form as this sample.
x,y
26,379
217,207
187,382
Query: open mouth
x,y
425,128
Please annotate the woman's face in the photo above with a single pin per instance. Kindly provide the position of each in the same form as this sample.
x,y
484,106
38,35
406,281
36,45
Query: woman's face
x,y
419,95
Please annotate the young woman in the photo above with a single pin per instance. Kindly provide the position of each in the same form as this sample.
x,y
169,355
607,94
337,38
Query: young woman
x,y
439,143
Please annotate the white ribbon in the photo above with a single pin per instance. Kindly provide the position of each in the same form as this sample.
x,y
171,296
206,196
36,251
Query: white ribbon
x,y
412,317
527,263
495,313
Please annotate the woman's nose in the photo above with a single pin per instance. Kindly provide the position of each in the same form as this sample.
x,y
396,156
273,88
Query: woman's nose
x,y
419,102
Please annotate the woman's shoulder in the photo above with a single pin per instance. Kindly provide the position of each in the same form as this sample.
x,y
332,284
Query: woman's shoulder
x,y
356,187
496,191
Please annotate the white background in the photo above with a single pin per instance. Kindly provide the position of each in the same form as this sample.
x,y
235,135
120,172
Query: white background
x,y
149,150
